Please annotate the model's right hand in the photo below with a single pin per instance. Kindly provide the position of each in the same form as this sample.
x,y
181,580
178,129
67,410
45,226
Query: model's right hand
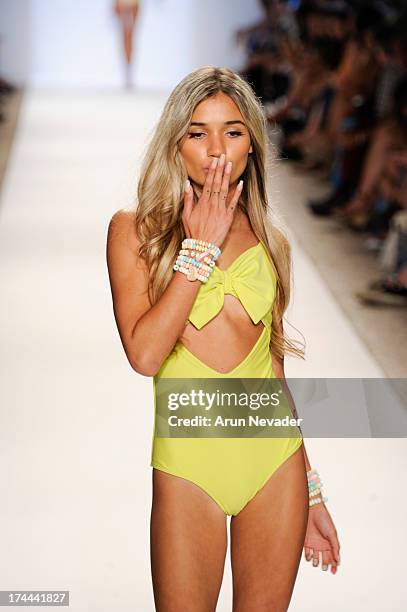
x,y
209,219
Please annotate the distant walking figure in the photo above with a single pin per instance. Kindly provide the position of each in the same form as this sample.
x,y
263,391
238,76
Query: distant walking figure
x,y
127,11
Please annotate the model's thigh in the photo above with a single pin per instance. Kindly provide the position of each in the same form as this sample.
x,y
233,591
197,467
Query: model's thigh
x,y
128,18
267,538
188,545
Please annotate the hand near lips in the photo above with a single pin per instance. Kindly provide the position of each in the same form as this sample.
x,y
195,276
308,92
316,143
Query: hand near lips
x,y
209,219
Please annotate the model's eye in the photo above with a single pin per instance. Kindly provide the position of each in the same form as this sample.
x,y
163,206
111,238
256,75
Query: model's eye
x,y
233,133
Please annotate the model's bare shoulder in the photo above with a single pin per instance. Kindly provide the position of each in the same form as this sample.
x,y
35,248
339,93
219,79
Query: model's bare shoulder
x,y
122,234
122,227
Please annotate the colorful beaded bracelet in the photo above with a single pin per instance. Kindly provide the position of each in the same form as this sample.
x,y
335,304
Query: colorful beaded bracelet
x,y
196,259
204,258
192,274
315,488
312,502
201,245
194,268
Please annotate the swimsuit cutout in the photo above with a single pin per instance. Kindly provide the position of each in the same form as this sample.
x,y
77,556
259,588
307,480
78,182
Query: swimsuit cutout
x,y
230,470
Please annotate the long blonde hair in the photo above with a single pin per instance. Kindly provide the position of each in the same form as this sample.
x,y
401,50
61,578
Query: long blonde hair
x,y
160,190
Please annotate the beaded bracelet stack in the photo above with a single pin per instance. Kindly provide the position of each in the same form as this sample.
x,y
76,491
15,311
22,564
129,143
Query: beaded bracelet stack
x,y
196,259
315,488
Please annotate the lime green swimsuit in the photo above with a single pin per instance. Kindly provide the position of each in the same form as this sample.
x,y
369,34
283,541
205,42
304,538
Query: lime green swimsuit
x,y
230,470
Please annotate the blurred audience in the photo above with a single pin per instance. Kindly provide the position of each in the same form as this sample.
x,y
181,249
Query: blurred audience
x,y
332,75
6,89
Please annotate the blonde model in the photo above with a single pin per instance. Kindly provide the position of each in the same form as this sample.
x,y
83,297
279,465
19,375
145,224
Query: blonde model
x,y
214,309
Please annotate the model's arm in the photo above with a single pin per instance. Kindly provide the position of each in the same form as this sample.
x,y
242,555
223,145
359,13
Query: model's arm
x,y
148,333
321,534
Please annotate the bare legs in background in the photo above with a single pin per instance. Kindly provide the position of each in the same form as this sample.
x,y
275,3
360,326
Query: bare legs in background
x,y
127,13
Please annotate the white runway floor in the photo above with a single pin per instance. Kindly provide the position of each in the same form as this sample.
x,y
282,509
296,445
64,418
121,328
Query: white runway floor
x,y
76,420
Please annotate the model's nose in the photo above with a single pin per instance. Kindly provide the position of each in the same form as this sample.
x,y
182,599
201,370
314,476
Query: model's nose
x,y
216,147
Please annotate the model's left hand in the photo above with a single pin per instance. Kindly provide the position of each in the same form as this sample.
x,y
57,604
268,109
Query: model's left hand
x,y
321,537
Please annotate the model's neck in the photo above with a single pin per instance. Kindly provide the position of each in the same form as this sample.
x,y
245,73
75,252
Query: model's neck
x,y
240,221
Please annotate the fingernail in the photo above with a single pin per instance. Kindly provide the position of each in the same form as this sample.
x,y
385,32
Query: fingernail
x,y
228,165
324,567
187,185
240,185
222,157
214,162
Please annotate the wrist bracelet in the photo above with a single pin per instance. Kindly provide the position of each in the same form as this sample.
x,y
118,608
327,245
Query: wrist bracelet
x,y
194,268
196,259
201,245
315,488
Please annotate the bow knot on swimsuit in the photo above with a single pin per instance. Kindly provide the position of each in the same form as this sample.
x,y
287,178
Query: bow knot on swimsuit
x,y
250,278
227,280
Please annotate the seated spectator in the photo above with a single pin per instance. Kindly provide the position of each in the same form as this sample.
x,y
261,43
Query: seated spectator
x,y
391,290
263,42
383,170
314,142
352,115
387,133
